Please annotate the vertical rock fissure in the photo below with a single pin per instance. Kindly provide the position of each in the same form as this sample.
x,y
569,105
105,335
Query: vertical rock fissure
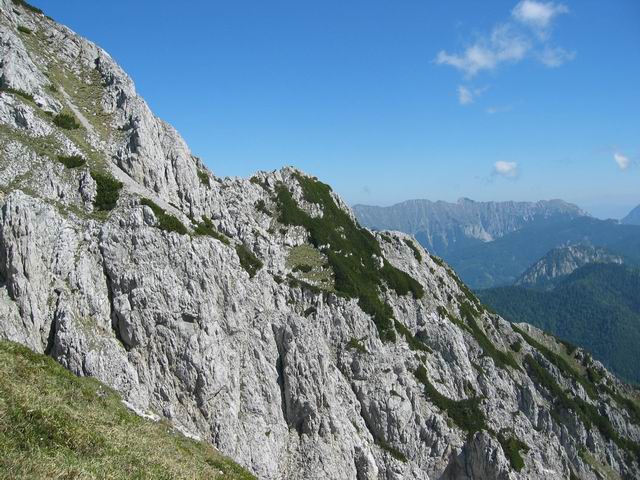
x,y
278,337
115,325
53,327
280,372
3,263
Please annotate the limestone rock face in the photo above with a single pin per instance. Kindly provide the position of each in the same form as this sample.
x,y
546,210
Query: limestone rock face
x,y
243,331
561,262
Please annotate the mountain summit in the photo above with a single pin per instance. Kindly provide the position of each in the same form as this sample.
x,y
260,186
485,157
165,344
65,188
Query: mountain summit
x,y
633,218
257,314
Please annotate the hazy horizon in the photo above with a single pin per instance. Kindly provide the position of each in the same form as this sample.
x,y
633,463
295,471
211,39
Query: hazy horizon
x,y
604,210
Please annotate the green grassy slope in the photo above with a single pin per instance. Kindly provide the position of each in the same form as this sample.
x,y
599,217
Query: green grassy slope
x,y
56,425
597,307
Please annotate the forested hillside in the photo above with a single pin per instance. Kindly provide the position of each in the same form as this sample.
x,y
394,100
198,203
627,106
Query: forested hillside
x,y
597,307
502,261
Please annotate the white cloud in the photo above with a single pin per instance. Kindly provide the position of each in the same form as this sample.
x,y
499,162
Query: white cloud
x,y
538,15
499,109
505,169
622,160
553,57
467,95
503,45
525,35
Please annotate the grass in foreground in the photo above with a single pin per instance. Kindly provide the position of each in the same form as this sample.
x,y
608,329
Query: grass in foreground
x,y
56,425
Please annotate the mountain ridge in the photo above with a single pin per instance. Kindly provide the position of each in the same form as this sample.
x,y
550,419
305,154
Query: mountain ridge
x,y
256,313
442,226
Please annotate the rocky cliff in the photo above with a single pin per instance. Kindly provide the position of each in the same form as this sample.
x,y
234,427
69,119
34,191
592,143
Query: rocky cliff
x,y
443,227
256,313
563,261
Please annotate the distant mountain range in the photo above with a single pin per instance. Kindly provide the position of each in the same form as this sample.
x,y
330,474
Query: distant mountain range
x,y
444,227
596,307
491,244
633,218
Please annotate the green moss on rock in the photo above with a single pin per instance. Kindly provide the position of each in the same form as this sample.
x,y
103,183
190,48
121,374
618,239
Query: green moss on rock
x,y
66,121
248,260
512,447
466,414
207,228
166,222
108,191
72,161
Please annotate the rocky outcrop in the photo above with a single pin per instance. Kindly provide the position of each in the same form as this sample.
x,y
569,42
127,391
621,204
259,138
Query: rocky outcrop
x,y
255,313
563,261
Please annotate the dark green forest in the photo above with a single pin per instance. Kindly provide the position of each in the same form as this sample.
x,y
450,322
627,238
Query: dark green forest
x,y
597,307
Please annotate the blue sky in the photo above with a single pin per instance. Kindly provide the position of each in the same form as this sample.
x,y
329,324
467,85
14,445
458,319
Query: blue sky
x,y
392,100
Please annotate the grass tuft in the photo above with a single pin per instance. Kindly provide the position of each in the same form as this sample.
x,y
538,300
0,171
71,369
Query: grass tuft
x,y
204,178
560,363
248,260
207,228
66,121
72,161
414,343
589,414
357,345
108,191
414,249
500,358
512,447
20,93
394,452
466,414
261,206
166,221
27,6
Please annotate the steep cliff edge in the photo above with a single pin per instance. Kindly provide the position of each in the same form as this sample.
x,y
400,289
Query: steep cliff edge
x,y
257,314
